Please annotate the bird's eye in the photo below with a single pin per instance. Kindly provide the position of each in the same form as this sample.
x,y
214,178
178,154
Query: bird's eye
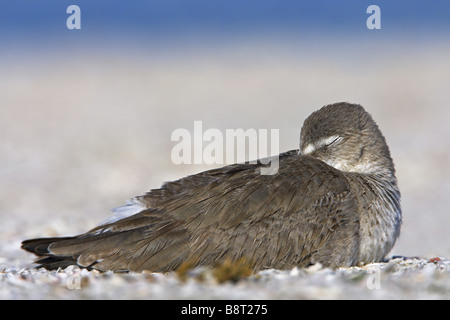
x,y
333,140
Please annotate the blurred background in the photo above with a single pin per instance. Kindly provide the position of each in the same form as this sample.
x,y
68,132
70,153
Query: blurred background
x,y
86,115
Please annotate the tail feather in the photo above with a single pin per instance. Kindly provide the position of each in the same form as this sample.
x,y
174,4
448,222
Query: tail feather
x,y
61,252
40,247
131,250
53,263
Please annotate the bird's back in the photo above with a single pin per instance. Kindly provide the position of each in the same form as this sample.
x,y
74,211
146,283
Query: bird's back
x,y
303,214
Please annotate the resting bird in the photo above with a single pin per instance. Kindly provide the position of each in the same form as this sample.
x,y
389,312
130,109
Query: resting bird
x,y
335,201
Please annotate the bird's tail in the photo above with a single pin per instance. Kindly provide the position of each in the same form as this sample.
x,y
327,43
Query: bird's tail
x,y
40,247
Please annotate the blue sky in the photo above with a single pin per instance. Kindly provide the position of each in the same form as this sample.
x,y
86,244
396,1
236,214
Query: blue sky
x,y
45,19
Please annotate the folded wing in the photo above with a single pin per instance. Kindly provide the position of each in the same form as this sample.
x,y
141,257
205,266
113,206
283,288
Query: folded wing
x,y
292,218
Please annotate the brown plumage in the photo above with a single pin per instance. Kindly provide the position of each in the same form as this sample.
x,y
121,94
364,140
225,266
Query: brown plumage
x,y
335,202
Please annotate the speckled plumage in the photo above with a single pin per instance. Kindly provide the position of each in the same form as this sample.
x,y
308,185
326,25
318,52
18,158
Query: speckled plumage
x,y
335,202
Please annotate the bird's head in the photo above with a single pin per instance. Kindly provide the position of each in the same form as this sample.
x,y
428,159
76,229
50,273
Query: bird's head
x,y
345,136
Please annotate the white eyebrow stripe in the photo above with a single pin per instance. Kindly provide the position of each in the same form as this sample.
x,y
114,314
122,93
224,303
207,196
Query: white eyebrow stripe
x,y
322,142
328,140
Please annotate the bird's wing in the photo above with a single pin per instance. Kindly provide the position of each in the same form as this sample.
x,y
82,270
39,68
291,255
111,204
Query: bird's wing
x,y
284,220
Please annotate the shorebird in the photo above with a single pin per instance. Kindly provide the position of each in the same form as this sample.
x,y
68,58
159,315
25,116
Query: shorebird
x,y
335,201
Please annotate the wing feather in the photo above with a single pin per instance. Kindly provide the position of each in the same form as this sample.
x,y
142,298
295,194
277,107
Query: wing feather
x,y
292,218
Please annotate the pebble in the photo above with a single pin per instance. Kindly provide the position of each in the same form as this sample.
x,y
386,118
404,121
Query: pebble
x,y
398,278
